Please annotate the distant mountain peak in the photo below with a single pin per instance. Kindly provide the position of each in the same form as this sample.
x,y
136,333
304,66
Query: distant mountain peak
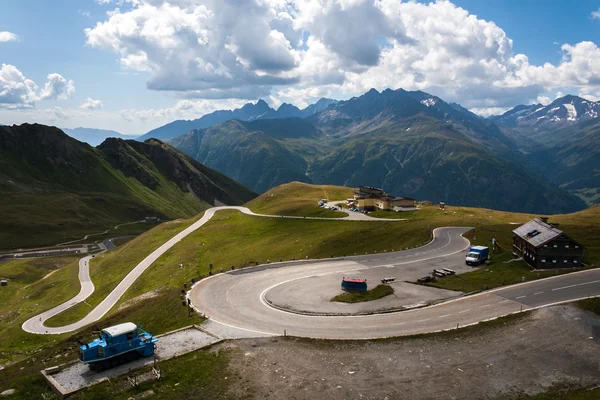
x,y
564,110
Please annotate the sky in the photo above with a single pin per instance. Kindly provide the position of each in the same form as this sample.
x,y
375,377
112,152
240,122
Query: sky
x,y
134,65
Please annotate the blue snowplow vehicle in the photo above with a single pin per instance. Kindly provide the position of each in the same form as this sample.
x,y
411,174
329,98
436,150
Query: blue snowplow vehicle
x,y
117,345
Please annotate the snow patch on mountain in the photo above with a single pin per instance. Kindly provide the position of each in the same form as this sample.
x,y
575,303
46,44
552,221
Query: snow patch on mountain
x,y
428,102
572,112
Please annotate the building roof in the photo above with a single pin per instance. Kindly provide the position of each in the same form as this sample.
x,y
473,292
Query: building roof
x,y
537,232
120,329
402,198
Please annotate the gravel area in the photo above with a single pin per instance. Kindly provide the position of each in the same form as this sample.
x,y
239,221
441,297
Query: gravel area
x,y
181,342
551,346
78,375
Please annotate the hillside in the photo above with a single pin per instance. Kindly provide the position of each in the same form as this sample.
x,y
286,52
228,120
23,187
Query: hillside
x,y
55,188
409,143
561,141
252,153
298,198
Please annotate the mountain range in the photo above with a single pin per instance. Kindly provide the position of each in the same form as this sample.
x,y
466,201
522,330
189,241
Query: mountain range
x,y
560,141
248,112
409,143
94,137
54,186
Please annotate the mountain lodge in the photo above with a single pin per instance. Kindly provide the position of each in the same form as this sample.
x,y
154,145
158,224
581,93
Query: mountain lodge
x,y
544,246
371,198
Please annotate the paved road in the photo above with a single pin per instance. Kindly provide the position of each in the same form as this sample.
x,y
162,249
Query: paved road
x,y
238,301
36,324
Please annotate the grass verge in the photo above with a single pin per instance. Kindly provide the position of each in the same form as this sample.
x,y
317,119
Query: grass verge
x,y
497,273
358,297
591,305
109,269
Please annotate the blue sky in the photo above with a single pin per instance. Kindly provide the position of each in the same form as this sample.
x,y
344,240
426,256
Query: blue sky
x,y
210,58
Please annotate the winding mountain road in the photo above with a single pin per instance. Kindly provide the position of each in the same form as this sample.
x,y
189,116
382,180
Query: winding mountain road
x,y
293,297
36,324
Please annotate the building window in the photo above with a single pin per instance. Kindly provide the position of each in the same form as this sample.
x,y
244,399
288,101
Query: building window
x,y
543,260
553,261
574,261
555,245
566,246
565,261
545,245
576,247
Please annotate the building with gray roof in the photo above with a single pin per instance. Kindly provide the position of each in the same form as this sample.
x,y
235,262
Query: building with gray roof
x,y
544,246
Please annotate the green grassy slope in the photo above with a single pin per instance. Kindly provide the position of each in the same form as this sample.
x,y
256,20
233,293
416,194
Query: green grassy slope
x,y
434,161
298,198
231,238
55,188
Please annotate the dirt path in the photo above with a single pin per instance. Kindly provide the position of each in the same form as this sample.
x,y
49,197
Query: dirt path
x,y
557,345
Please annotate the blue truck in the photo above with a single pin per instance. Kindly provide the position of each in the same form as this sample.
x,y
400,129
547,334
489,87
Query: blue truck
x,y
354,285
477,255
117,345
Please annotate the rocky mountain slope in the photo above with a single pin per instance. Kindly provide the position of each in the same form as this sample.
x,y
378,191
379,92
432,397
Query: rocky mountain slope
x,y
410,143
560,141
54,186
248,112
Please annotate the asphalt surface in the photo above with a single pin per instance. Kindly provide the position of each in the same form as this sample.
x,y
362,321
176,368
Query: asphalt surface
x,y
36,324
236,302
242,301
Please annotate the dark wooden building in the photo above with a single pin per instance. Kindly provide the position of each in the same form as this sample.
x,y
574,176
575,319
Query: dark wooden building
x,y
544,246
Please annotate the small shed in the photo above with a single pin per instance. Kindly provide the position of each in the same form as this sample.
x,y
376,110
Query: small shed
x,y
4,282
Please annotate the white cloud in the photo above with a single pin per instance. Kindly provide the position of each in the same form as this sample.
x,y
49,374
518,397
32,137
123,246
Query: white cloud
x,y
8,37
292,48
184,109
596,14
16,91
57,88
205,48
91,105
85,13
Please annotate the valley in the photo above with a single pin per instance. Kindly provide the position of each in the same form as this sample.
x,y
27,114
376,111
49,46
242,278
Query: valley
x,y
409,143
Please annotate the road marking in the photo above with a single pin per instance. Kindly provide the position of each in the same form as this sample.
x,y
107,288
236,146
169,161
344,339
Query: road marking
x,y
485,305
444,316
464,311
423,320
503,301
578,284
399,323
536,293
520,297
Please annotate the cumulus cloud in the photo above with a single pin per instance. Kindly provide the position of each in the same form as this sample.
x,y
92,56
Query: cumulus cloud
x,y
596,14
91,105
7,36
206,48
57,88
287,49
16,91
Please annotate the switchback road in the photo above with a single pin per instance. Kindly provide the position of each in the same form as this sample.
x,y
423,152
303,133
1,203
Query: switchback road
x,y
36,324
